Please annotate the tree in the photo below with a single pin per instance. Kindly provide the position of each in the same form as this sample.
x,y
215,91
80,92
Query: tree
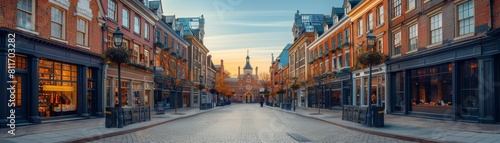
x,y
264,76
220,84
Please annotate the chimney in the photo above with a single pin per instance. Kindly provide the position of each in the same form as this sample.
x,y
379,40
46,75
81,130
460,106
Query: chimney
x,y
257,72
238,71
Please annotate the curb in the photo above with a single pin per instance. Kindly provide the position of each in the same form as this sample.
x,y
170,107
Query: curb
x,y
107,135
401,137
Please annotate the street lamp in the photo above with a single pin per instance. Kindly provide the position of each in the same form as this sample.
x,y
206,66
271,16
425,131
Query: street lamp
x,y
199,87
118,41
370,42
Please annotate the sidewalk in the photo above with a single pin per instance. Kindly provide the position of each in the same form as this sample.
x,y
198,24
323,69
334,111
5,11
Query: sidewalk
x,y
411,128
88,129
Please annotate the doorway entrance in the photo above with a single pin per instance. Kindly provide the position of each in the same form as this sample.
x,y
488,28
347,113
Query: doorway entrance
x,y
21,98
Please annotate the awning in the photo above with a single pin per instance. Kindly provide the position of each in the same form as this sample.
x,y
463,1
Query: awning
x,y
57,88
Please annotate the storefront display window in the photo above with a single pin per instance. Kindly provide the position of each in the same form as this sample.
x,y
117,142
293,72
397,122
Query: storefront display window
x,y
431,89
58,88
124,92
337,98
468,91
136,92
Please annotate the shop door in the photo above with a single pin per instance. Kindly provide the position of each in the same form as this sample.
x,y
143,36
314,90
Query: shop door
x,y
21,98
91,102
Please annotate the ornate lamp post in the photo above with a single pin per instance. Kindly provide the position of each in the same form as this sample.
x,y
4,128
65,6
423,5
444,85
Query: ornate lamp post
x,y
118,41
370,40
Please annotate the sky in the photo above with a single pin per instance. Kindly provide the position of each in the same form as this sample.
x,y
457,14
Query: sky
x,y
232,27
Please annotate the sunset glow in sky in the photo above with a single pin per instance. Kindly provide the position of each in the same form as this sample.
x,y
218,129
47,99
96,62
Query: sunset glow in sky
x,y
235,26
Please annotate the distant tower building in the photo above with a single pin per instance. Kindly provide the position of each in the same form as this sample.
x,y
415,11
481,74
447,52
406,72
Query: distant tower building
x,y
247,86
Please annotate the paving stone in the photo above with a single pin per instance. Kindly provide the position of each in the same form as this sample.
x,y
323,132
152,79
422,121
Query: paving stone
x,y
246,123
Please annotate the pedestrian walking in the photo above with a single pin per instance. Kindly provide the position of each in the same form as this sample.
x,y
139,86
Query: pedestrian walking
x,y
261,101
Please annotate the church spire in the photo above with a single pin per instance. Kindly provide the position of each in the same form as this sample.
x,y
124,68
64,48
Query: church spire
x,y
247,65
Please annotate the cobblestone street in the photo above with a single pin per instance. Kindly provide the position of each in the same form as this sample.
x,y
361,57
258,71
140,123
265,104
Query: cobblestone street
x,y
247,123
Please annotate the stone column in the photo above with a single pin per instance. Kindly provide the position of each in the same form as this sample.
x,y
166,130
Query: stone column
x,y
3,84
143,93
362,91
130,93
34,117
388,89
486,89
100,84
82,92
454,98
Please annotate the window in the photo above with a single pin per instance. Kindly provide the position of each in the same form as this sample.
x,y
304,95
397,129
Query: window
x,y
135,54
431,89
165,39
340,61
397,43
334,62
125,18
56,24
346,35
157,35
397,8
146,58
413,37
411,4
146,30
320,51
380,17
81,32
370,22
436,29
380,45
347,60
112,10
360,27
326,47
466,18
137,25
333,43
339,40
24,14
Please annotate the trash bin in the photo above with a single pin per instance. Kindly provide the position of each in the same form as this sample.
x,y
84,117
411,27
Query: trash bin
x,y
111,117
378,116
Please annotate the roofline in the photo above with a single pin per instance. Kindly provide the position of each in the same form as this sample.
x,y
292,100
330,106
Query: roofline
x,y
336,27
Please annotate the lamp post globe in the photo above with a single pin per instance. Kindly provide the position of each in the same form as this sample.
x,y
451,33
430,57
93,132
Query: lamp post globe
x,y
118,41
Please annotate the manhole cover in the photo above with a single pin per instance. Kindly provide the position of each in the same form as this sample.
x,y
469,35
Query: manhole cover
x,y
298,137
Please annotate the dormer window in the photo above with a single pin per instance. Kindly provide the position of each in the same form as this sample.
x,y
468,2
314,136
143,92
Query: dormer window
x,y
347,8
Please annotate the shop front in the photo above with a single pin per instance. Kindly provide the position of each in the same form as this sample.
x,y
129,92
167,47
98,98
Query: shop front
x,y
339,90
136,87
455,84
360,87
52,80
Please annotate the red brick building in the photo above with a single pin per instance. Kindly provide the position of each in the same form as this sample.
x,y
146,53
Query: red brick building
x,y
56,47
443,58
246,87
135,21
